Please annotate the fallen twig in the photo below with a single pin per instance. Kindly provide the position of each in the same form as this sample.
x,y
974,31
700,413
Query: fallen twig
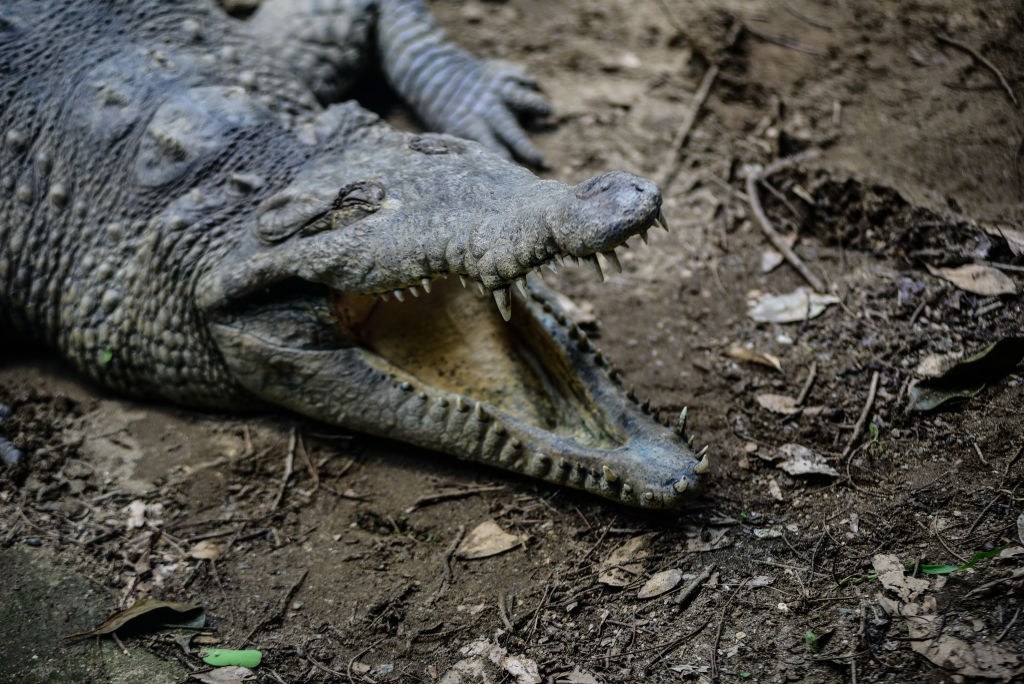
x,y
943,38
782,41
718,632
448,496
812,373
446,572
282,608
289,464
858,428
778,242
685,596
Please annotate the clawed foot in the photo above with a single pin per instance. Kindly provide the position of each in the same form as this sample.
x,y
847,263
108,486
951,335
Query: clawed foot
x,y
9,454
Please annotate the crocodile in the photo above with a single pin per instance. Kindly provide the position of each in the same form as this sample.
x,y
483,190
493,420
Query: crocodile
x,y
190,212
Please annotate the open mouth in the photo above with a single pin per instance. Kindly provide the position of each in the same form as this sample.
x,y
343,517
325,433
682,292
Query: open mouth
x,y
489,369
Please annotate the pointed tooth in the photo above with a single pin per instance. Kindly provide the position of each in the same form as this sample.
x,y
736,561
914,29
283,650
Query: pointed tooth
x,y
383,296
595,266
681,422
609,475
561,260
660,218
575,260
648,496
705,461
399,295
480,287
462,279
479,412
425,282
414,292
503,298
521,285
612,258
682,485
643,235
551,267
461,405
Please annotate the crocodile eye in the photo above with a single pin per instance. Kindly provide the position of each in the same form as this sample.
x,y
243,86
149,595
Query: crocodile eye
x,y
365,195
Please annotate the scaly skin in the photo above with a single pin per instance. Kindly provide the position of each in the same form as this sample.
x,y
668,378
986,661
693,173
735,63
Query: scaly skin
x,y
180,218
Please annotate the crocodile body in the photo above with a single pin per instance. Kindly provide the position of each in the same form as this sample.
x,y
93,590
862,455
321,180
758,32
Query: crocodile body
x,y
185,215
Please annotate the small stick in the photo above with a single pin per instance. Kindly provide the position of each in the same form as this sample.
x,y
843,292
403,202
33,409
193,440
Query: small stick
x,y
859,426
668,169
282,609
779,242
943,38
718,632
446,573
693,587
448,496
808,383
289,464
818,23
784,42
1008,626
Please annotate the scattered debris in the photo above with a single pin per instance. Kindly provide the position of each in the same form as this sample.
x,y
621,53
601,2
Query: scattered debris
x,y
626,563
794,307
976,279
739,353
967,378
147,615
204,550
660,583
799,461
483,663
485,540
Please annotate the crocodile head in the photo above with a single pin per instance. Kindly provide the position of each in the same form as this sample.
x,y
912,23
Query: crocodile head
x,y
344,303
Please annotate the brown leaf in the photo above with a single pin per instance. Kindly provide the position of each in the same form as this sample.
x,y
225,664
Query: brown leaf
x,y
1014,238
485,540
660,583
739,353
893,577
154,613
778,403
977,279
204,550
798,460
626,563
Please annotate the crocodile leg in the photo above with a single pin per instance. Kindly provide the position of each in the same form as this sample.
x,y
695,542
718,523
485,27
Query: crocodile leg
x,y
328,42
9,454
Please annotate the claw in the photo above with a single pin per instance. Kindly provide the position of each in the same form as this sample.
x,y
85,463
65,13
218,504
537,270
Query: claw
x,y
503,299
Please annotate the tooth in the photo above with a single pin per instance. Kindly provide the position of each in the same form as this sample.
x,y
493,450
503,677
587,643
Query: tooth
x,y
551,267
609,474
503,299
681,486
462,279
399,295
479,412
480,286
626,489
643,235
414,292
648,496
461,405
383,297
705,461
521,284
660,218
595,266
575,260
561,260
613,259
425,282
681,422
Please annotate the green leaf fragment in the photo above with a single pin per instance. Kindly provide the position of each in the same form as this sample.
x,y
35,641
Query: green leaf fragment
x,y
812,641
947,569
221,657
106,356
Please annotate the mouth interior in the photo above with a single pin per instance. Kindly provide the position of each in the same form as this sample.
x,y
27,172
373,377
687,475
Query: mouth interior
x,y
455,341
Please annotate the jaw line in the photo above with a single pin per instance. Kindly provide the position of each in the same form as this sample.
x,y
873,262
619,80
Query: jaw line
x,y
637,461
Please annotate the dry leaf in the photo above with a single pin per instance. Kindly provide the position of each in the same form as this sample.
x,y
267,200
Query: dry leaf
x,y
798,460
759,581
977,659
578,676
660,583
793,307
893,577
485,540
225,675
204,550
738,353
977,279
1014,238
151,612
716,539
778,403
626,562
524,670
774,490
1020,528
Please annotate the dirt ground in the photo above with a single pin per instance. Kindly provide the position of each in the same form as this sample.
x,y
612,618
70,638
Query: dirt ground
x,y
900,150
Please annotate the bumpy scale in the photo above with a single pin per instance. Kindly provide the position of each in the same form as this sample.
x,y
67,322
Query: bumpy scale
x,y
181,216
